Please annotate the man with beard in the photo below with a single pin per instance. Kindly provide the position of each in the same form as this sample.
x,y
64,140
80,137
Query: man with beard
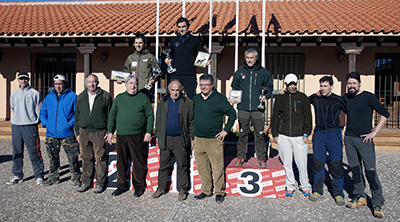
x,y
359,142
290,127
251,78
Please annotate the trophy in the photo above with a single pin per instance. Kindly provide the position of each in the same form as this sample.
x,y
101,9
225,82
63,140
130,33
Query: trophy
x,y
167,53
261,105
155,72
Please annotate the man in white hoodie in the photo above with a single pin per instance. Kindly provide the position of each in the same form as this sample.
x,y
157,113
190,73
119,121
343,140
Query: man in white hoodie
x,y
26,103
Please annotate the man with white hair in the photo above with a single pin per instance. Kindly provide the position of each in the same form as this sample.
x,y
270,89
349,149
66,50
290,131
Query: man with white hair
x,y
290,127
131,115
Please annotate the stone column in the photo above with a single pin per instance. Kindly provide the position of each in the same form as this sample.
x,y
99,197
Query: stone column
x,y
352,51
87,51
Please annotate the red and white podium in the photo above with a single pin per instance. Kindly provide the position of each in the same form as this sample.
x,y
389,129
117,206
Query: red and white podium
x,y
248,180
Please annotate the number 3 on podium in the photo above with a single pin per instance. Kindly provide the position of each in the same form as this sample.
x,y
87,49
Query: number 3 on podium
x,y
251,186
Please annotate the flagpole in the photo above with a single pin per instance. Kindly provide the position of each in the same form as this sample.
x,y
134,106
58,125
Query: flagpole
x,y
237,36
210,36
263,37
157,45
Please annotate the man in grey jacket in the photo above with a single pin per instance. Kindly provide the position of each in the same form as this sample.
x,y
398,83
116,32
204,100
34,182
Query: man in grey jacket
x,y
25,106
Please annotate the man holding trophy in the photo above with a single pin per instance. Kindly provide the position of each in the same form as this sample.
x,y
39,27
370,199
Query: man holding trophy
x,y
255,82
144,65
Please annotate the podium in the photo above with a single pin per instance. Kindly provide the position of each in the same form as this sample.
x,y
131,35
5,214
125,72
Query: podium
x,y
248,180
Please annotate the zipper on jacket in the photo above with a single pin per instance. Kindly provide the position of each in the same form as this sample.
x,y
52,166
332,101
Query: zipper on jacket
x,y
255,79
290,114
251,81
58,102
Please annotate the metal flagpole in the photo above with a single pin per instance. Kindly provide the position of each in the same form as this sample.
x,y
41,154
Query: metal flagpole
x,y
236,49
210,36
263,37
157,45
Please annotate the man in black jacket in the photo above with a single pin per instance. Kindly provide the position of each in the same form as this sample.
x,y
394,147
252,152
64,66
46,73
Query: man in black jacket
x,y
290,127
251,79
184,48
175,131
91,113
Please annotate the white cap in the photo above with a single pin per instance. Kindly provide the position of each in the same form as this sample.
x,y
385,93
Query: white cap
x,y
290,78
59,77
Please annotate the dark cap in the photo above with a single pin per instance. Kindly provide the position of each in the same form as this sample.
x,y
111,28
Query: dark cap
x,y
23,75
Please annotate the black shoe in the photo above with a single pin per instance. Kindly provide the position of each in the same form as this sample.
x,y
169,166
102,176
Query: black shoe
x,y
219,198
138,193
50,182
202,196
118,192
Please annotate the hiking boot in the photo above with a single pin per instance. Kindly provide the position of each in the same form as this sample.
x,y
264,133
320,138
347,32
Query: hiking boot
x,y
14,180
289,194
306,194
77,183
182,195
39,181
357,201
378,211
50,182
339,200
98,189
261,163
84,187
239,162
315,196
158,193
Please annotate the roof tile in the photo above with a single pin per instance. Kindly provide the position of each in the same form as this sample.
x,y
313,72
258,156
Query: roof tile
x,y
83,18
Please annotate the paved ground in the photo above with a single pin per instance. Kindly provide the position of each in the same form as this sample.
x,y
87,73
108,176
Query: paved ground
x,y
29,202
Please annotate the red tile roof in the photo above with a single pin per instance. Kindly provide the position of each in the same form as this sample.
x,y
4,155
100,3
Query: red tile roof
x,y
81,18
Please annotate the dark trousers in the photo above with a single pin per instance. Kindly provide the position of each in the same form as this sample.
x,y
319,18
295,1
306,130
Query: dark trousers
x,y
188,81
328,141
71,148
174,148
28,136
257,118
93,148
132,147
358,151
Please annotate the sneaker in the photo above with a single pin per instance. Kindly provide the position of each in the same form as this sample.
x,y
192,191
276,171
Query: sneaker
x,y
378,211
357,201
239,162
182,195
306,194
339,200
50,182
39,181
315,196
84,187
158,193
289,194
261,163
14,180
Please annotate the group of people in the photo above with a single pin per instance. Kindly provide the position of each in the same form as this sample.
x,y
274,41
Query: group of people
x,y
83,125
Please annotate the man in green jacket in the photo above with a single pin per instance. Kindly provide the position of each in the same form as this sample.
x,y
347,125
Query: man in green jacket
x,y
132,116
91,113
175,131
290,127
143,64
210,107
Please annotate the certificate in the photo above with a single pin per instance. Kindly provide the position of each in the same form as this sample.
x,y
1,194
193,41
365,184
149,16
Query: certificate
x,y
235,96
202,59
115,75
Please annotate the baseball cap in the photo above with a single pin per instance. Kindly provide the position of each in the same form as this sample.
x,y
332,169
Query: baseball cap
x,y
59,77
23,75
289,78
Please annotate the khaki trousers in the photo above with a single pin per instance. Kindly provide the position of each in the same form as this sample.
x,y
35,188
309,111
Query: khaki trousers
x,y
209,154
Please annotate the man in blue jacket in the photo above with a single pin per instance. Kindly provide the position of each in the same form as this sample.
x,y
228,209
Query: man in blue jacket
x,y
58,116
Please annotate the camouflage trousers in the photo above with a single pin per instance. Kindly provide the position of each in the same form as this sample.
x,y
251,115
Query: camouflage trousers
x,y
71,148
